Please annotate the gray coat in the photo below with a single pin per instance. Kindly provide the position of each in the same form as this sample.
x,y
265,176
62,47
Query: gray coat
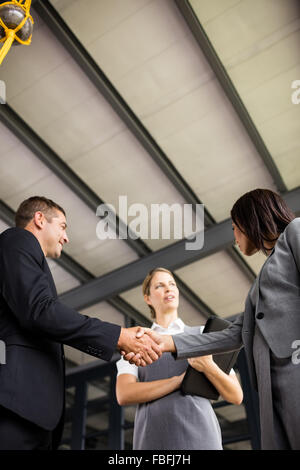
x,y
272,307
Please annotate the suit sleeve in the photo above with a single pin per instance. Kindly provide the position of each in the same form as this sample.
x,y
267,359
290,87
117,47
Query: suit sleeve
x,y
26,290
230,339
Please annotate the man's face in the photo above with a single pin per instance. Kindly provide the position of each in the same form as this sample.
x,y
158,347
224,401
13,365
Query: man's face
x,y
54,234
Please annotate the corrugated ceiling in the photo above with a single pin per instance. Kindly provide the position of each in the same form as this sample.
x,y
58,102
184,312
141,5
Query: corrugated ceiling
x,y
149,55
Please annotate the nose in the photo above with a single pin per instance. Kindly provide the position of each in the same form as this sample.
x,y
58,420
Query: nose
x,y
168,290
66,239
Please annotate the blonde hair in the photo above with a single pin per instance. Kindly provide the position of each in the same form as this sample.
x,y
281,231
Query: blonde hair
x,y
147,285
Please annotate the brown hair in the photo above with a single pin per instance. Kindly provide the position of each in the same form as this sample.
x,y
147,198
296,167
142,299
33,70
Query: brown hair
x,y
147,284
29,207
261,215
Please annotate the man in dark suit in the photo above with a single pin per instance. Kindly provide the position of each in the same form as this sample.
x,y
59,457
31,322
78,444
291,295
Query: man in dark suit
x,y
34,325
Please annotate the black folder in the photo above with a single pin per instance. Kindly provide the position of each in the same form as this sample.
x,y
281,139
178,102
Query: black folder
x,y
195,382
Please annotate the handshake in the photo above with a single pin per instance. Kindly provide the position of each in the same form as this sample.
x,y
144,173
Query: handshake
x,y
142,346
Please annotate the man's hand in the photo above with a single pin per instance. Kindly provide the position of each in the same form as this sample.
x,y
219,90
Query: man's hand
x,y
141,346
164,342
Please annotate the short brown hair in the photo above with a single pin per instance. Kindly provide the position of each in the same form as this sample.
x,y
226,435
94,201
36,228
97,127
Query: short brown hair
x,y
261,215
29,207
147,285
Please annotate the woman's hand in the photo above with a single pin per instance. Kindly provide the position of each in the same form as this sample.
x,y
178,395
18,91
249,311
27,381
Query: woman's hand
x,y
179,379
130,391
227,385
202,363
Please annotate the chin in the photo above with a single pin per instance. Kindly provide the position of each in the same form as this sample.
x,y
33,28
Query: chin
x,y
172,307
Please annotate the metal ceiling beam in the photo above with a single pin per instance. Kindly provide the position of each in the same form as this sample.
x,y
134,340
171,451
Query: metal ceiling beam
x,y
42,150
127,309
94,370
105,87
80,55
193,299
216,237
80,273
7,214
85,61
228,87
45,153
292,198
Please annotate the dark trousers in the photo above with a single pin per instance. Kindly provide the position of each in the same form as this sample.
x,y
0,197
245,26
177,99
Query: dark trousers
x,y
17,433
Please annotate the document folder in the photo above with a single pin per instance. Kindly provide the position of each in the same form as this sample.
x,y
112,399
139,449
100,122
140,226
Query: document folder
x,y
195,382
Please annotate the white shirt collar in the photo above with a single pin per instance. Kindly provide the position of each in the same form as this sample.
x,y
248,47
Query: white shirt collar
x,y
176,327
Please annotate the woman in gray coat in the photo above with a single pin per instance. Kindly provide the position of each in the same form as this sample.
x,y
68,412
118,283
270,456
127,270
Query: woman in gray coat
x,y
269,328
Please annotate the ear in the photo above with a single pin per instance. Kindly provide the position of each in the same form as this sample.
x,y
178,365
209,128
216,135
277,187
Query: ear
x,y
39,219
147,299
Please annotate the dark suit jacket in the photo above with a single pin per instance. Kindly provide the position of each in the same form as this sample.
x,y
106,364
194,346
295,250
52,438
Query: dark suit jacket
x,y
34,325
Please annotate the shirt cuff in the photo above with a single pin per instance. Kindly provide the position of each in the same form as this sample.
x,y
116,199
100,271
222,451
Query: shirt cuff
x,y
124,367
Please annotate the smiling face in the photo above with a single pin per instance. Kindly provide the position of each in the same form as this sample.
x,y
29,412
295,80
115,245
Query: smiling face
x,y
164,294
52,233
244,244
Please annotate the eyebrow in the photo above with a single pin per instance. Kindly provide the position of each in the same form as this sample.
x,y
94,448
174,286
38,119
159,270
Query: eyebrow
x,y
162,282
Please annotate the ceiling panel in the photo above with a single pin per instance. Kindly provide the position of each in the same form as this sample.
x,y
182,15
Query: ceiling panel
x,y
63,280
65,109
21,68
3,226
218,282
251,21
258,43
26,176
209,10
90,22
165,79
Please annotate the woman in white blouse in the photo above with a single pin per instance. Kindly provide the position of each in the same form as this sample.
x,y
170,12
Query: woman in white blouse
x,y
165,418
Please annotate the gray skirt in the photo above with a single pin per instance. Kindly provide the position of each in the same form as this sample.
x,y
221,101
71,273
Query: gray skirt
x,y
174,421
278,389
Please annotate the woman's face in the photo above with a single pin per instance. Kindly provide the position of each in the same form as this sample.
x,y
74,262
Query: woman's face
x,y
244,244
164,294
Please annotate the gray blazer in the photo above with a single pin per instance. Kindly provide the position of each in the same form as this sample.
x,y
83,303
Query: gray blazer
x,y
276,312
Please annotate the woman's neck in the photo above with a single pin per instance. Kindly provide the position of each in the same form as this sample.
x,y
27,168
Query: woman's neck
x,y
165,319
